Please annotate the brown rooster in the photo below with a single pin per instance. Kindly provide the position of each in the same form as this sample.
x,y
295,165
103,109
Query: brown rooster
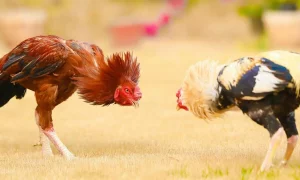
x,y
55,68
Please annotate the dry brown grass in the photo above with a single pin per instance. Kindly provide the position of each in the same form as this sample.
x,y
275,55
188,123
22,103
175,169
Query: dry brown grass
x,y
152,142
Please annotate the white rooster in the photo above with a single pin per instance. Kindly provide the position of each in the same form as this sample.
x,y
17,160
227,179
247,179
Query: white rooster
x,y
265,87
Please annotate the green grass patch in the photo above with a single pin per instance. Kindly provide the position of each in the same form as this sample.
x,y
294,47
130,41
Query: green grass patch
x,y
180,172
214,172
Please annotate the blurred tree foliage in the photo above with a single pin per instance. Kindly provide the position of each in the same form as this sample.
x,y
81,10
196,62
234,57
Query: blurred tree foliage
x,y
255,9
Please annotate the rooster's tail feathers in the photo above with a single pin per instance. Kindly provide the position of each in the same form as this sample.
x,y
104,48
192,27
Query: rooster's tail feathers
x,y
8,90
291,60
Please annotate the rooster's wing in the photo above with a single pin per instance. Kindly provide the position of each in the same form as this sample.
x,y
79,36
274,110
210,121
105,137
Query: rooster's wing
x,y
35,57
254,78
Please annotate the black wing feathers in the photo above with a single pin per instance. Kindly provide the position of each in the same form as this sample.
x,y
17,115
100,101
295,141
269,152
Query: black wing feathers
x,y
35,58
12,60
37,69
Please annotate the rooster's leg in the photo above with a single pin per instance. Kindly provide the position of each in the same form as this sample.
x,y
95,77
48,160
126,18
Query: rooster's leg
x,y
44,141
291,143
46,148
51,134
274,143
289,125
269,121
41,134
47,99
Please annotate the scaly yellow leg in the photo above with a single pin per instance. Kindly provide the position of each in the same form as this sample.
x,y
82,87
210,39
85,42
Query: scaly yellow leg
x,y
291,144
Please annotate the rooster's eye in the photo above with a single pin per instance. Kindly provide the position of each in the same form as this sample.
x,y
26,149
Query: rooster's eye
x,y
126,90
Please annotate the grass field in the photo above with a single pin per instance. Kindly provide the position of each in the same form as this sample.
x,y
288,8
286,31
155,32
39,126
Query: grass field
x,y
152,142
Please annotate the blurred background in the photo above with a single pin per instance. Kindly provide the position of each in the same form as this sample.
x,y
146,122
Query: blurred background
x,y
258,24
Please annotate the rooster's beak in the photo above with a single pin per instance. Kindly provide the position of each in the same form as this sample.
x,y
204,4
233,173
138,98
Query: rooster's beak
x,y
177,108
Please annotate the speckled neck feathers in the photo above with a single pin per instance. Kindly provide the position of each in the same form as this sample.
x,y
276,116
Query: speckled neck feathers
x,y
200,89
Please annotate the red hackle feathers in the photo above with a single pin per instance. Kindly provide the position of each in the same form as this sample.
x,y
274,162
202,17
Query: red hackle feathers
x,y
97,84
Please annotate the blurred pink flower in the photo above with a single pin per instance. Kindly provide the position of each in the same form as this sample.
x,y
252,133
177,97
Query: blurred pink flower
x,y
151,29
